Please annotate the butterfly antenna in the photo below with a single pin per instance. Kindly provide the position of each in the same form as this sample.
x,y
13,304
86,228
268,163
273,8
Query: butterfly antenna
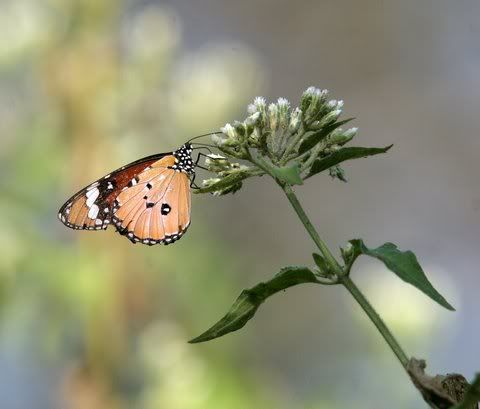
x,y
201,136
203,147
207,145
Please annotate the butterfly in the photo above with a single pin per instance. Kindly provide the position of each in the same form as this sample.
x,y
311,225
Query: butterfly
x,y
148,200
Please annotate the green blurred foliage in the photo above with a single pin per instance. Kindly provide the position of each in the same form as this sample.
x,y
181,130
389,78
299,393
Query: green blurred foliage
x,y
85,87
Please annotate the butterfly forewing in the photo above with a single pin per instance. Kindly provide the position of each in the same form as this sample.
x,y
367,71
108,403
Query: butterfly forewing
x,y
147,200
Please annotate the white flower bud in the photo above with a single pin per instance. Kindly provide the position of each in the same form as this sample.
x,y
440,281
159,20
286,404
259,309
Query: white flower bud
x,y
229,130
252,119
347,252
273,116
283,112
332,104
310,91
307,98
210,182
283,103
260,102
312,103
332,116
295,120
218,140
350,133
251,109
215,156
340,137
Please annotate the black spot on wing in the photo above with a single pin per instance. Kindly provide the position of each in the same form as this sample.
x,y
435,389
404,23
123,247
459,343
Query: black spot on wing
x,y
165,209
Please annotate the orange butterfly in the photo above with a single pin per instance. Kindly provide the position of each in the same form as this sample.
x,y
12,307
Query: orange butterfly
x,y
148,200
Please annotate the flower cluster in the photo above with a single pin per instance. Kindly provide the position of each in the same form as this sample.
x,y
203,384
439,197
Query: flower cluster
x,y
290,144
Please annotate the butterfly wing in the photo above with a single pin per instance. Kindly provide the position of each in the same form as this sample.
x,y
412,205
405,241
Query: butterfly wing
x,y
157,209
94,207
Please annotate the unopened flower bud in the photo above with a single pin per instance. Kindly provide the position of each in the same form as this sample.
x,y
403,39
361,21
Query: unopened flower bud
x,y
283,112
217,163
210,182
239,128
307,98
229,130
273,116
334,105
331,104
283,103
260,103
252,120
329,118
316,100
232,138
295,120
215,156
349,134
340,137
347,253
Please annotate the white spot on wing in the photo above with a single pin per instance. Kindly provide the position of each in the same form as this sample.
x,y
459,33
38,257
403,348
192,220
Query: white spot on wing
x,y
93,212
92,196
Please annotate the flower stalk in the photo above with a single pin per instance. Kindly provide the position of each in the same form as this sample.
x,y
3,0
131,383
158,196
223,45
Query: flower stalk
x,y
345,280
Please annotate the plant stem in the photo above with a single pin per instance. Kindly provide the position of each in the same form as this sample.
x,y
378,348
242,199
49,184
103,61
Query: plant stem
x,y
333,263
375,318
344,279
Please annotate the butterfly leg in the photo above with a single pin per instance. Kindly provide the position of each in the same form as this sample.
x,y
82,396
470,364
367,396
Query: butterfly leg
x,y
198,160
199,156
193,184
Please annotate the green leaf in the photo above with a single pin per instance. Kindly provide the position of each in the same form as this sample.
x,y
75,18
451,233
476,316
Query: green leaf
x,y
342,155
289,174
472,395
404,264
246,305
225,183
310,141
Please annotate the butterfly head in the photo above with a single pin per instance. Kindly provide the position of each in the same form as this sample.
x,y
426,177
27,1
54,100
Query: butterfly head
x,y
183,159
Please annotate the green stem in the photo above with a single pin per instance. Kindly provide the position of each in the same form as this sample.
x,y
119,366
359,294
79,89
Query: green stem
x,y
344,279
375,318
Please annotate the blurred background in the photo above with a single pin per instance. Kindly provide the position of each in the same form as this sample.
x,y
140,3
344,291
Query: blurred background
x,y
88,320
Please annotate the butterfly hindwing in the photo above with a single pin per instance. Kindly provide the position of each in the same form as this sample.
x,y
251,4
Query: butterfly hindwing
x,y
149,211
147,200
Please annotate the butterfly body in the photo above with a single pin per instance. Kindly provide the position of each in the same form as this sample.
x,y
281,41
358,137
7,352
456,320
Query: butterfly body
x,y
148,200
